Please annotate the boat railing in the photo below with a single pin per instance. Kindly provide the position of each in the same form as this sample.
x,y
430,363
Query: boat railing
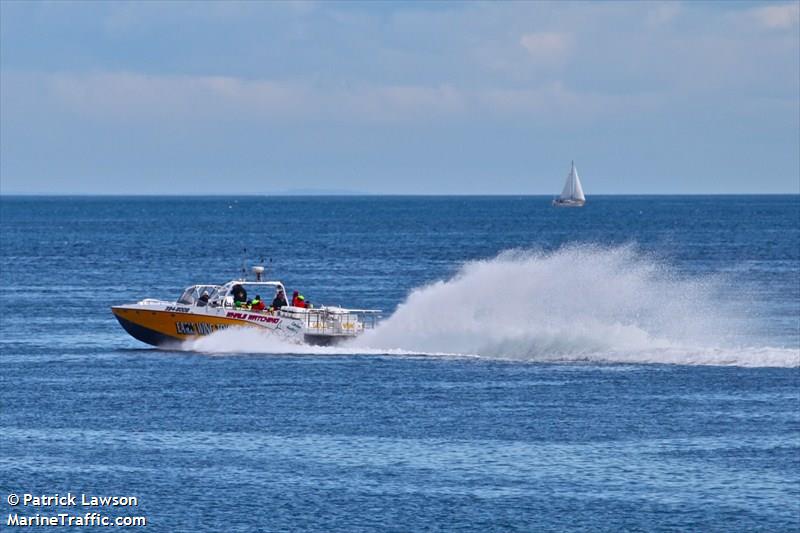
x,y
152,301
340,322
323,321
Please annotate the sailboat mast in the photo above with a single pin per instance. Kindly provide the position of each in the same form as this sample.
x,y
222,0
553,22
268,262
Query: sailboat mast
x,y
572,175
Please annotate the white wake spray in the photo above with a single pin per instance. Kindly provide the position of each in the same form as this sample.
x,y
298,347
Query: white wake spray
x,y
250,340
578,303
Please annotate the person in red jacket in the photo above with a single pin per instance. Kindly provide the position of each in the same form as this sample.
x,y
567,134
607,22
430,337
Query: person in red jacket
x,y
257,304
298,300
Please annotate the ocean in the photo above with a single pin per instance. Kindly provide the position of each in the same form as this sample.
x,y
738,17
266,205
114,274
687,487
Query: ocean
x,y
633,365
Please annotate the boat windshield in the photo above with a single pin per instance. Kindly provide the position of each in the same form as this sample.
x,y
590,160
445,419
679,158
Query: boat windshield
x,y
192,294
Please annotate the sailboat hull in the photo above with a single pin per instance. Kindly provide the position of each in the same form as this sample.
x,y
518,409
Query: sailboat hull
x,y
568,203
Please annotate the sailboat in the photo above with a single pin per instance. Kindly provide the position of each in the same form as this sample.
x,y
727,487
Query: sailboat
x,y
572,195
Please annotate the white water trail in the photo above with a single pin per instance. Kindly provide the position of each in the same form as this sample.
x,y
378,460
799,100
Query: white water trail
x,y
250,340
580,303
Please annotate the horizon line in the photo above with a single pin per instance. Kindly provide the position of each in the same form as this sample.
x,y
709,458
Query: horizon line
x,y
366,194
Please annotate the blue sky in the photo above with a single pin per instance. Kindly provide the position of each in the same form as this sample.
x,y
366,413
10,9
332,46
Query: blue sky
x,y
399,98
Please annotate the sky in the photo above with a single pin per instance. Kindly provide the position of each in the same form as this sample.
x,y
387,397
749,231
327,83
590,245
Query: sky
x,y
399,97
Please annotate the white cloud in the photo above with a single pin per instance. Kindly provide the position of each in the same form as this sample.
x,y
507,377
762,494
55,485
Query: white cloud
x,y
559,102
136,96
397,102
663,13
781,16
547,47
129,97
464,61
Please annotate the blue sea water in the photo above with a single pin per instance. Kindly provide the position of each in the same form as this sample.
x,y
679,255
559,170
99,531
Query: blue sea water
x,y
629,366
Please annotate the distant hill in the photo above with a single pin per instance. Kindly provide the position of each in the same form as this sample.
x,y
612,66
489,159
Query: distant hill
x,y
316,192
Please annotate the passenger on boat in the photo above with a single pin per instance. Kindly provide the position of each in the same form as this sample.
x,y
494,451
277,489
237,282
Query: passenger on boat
x,y
280,299
203,300
257,304
299,300
239,296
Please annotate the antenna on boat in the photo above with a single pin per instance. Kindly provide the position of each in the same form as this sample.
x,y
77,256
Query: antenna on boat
x,y
261,266
244,265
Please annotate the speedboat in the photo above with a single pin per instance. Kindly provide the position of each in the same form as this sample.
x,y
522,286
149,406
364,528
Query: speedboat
x,y
204,309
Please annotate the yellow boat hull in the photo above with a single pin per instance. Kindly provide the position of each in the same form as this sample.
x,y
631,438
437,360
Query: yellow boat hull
x,y
165,328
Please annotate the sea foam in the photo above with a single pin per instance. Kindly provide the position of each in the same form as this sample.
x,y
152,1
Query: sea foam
x,y
579,303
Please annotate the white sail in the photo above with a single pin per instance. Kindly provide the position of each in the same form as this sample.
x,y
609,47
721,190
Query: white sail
x,y
578,189
572,188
